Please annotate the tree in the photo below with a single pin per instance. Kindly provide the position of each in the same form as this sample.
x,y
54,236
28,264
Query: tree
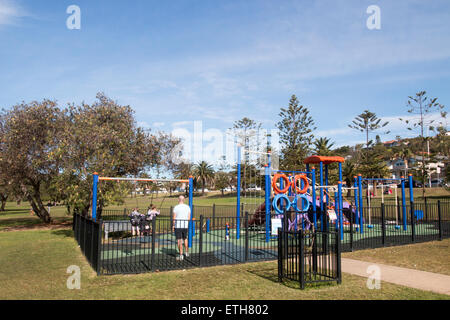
x,y
104,138
423,107
367,122
222,180
348,172
245,129
204,173
296,128
322,146
29,138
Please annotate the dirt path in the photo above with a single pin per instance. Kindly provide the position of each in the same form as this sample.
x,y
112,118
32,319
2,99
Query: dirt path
x,y
422,280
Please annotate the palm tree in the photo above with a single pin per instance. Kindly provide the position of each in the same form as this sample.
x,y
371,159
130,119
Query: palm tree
x,y
348,173
203,172
322,146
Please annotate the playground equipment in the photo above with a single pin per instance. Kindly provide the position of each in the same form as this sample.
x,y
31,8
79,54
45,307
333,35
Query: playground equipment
x,y
284,191
98,178
402,180
382,186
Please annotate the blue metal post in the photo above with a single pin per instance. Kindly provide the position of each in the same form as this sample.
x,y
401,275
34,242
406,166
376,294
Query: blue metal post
x,y
355,185
94,197
411,188
313,196
341,203
404,204
267,200
323,213
238,189
361,216
336,210
191,193
326,183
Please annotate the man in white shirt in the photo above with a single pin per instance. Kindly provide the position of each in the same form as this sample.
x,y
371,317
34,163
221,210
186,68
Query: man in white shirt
x,y
181,217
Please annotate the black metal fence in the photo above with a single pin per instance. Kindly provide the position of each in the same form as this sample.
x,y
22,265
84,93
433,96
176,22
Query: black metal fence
x,y
154,247
309,257
88,234
220,237
391,225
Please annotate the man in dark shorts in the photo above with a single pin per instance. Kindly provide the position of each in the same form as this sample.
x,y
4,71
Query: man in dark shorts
x,y
181,217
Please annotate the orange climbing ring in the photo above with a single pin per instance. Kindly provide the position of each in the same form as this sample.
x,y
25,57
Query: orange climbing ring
x,y
287,183
303,178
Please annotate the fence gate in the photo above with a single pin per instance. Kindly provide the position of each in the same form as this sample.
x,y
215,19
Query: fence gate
x,y
309,257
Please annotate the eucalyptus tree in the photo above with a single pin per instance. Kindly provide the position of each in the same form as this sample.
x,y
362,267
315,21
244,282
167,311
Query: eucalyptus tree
x,y
103,137
30,135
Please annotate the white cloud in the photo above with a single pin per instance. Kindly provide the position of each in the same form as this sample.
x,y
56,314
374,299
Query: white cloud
x,y
10,12
158,124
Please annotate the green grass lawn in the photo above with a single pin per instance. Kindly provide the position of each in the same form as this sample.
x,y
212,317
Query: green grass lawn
x,y
430,256
34,265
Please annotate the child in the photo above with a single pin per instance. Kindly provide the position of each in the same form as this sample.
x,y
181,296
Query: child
x,y
151,213
135,218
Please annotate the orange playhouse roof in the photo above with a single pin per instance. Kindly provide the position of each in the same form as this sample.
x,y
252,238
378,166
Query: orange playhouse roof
x,y
324,159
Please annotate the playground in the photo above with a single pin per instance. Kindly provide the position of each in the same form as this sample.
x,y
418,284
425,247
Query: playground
x,y
269,203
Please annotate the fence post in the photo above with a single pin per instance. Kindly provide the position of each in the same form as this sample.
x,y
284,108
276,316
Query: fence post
x,y
314,252
413,223
93,241
280,256
351,227
383,226
84,236
152,262
301,257
99,246
338,258
426,209
439,219
246,236
171,215
214,216
200,245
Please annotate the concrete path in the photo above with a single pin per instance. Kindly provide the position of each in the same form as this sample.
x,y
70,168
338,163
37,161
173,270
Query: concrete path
x,y
422,280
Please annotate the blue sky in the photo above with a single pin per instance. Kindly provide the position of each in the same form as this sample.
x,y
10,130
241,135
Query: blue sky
x,y
176,62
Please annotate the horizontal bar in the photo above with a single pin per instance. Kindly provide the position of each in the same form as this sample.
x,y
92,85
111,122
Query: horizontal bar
x,y
376,179
142,179
257,152
308,172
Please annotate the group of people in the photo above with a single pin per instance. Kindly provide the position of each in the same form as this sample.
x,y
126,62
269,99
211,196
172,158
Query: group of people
x,y
141,224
